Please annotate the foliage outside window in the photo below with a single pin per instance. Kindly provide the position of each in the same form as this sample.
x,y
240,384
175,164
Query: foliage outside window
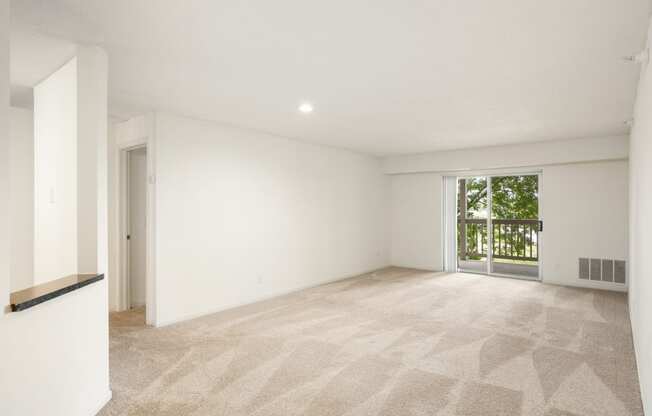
x,y
513,198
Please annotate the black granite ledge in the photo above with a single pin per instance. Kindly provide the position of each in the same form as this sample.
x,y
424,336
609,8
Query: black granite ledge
x,y
25,299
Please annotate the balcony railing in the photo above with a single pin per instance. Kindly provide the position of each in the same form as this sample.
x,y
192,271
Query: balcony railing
x,y
511,239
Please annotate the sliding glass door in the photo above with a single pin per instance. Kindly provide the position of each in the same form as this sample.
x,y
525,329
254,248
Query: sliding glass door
x,y
498,225
473,220
515,225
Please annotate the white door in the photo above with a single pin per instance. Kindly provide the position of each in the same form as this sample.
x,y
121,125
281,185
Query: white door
x,y
137,242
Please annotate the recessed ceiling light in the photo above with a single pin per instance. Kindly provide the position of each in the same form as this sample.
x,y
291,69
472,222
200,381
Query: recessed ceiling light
x,y
306,108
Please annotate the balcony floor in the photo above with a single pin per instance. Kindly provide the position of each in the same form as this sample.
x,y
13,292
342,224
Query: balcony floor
x,y
478,266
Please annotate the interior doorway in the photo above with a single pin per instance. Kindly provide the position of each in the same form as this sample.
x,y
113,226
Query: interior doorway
x,y
135,235
498,225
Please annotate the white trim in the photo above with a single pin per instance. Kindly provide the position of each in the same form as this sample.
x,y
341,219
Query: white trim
x,y
540,234
124,145
152,309
266,297
398,266
490,209
588,284
123,224
637,351
449,227
584,284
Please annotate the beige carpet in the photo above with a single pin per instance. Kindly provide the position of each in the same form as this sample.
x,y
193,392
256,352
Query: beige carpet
x,y
399,342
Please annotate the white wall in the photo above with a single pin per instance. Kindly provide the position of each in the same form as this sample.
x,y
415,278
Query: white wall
x,y
416,221
66,115
584,207
526,155
113,161
21,205
640,292
54,356
132,132
92,164
585,212
241,216
55,175
4,153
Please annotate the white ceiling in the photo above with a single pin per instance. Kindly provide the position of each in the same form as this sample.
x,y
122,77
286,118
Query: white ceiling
x,y
385,76
33,57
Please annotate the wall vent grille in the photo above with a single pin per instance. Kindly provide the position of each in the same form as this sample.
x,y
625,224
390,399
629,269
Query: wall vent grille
x,y
596,269
619,271
584,268
607,270
604,270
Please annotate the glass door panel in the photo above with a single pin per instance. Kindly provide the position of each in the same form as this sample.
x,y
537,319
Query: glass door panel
x,y
514,207
472,224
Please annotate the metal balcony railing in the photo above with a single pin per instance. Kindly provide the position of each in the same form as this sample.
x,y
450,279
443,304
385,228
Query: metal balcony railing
x,y
511,239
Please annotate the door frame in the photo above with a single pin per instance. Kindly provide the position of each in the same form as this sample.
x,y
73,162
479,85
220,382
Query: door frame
x,y
501,173
125,227
139,131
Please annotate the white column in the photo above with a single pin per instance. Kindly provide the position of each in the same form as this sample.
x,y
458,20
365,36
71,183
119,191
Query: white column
x,y
92,188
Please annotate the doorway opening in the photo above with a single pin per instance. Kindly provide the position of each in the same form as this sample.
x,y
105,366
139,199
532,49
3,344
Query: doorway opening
x,y
498,225
134,235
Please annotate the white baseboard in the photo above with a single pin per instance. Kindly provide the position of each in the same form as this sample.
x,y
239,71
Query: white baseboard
x,y
107,398
417,267
643,384
588,284
585,284
262,298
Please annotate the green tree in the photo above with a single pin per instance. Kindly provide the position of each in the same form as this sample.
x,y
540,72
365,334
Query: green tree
x,y
476,197
513,197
